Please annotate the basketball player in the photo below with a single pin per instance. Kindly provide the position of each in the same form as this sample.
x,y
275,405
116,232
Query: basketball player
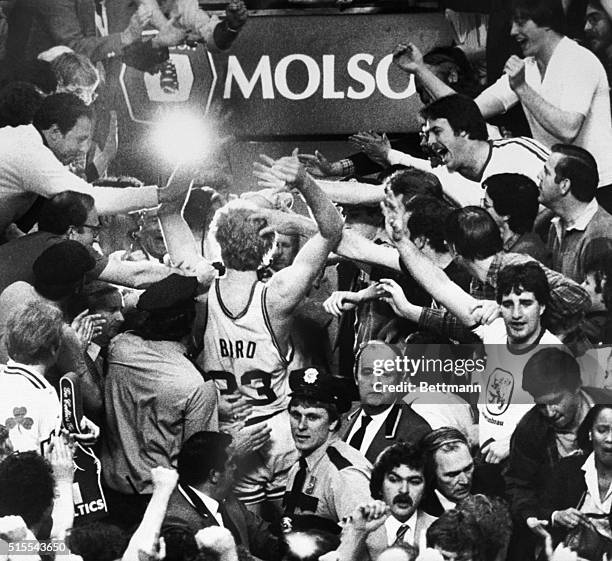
x,y
247,344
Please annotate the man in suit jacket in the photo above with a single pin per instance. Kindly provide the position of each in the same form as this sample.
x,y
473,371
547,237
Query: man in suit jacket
x,y
203,496
380,420
452,475
398,478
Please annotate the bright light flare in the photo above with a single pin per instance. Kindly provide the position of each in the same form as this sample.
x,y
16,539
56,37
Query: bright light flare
x,y
183,137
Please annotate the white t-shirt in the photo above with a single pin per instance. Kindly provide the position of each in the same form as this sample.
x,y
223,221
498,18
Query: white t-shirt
x,y
503,401
29,407
574,81
508,155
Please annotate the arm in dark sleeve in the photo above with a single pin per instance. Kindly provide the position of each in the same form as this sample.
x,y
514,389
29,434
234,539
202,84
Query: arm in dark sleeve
x,y
63,24
564,488
263,543
446,324
523,477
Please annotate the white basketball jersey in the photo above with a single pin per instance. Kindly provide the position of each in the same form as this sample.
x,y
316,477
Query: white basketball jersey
x,y
242,353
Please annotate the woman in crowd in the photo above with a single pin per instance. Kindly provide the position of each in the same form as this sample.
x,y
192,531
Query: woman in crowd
x,y
579,497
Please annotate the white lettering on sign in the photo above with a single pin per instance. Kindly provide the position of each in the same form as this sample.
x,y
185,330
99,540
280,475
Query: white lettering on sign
x,y
280,77
359,68
329,84
263,72
362,76
382,81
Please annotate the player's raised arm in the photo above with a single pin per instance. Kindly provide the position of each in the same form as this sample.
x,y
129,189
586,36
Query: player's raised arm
x,y
289,286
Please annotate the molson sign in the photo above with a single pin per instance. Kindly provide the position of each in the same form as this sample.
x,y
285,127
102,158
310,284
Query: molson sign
x,y
295,73
302,74
321,78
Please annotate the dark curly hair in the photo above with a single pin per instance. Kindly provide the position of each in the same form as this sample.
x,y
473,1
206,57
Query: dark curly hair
x,y
400,453
524,277
63,110
516,196
26,486
493,517
19,101
600,266
98,541
458,532
242,248
428,219
462,114
584,430
473,233
63,210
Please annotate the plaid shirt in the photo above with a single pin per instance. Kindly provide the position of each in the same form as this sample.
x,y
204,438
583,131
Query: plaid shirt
x,y
348,167
568,300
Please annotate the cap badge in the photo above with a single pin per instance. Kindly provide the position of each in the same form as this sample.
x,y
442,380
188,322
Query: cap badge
x,y
310,375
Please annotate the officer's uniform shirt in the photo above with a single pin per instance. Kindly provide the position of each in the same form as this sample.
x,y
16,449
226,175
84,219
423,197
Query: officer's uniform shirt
x,y
338,479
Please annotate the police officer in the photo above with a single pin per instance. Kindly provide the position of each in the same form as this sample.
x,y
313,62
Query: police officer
x,y
331,478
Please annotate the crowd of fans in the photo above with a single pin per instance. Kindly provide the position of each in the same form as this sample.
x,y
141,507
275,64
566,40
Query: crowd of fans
x,y
403,354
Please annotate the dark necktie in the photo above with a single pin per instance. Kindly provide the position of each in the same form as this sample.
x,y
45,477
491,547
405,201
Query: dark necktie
x,y
357,439
401,532
295,497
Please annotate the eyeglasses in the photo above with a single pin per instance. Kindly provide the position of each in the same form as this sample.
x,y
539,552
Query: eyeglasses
x,y
94,228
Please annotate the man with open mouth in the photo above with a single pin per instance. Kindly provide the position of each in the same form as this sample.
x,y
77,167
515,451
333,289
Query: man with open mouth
x,y
562,86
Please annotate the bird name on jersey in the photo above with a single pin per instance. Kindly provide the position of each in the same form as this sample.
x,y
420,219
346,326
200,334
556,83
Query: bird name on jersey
x,y
237,349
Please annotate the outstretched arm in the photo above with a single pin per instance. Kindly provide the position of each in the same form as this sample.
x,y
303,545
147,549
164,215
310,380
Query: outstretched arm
x,y
436,282
134,274
409,58
179,239
358,248
433,279
290,285
352,192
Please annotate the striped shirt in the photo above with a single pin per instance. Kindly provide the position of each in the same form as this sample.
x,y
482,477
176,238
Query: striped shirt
x,y
507,155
